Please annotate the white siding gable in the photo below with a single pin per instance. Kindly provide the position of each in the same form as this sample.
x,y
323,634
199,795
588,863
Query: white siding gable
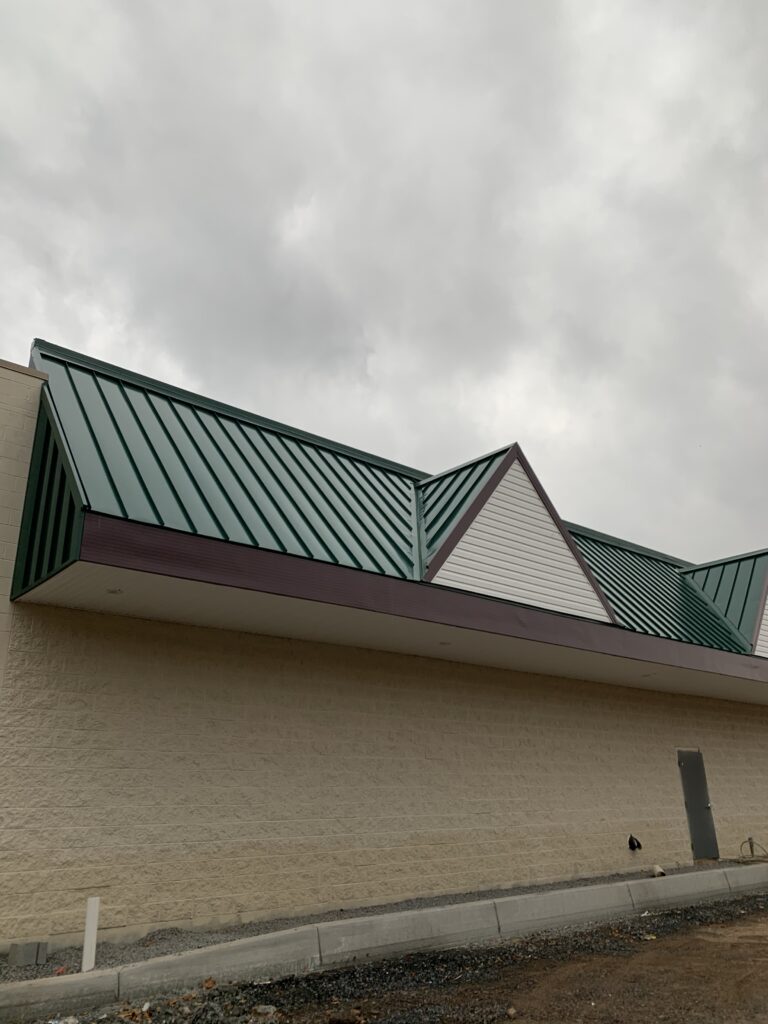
x,y
761,645
513,549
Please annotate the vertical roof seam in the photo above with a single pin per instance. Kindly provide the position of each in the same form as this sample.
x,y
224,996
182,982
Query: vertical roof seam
x,y
128,454
96,445
151,402
158,461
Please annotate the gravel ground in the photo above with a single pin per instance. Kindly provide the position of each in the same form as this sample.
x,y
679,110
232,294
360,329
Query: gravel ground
x,y
662,966
175,940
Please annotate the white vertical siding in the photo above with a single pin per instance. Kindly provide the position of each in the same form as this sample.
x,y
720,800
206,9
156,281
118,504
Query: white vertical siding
x,y
761,646
514,550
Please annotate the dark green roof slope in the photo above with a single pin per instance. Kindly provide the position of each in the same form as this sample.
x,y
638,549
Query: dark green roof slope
x,y
736,586
124,445
445,497
650,594
153,454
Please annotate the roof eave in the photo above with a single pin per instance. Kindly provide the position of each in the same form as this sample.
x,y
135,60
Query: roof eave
x,y
139,547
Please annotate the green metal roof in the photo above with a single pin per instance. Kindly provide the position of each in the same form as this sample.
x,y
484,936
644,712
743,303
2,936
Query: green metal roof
x,y
124,445
52,518
736,586
445,497
651,593
153,454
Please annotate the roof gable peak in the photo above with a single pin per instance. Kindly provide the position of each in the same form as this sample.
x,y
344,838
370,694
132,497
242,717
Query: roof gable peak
x,y
511,542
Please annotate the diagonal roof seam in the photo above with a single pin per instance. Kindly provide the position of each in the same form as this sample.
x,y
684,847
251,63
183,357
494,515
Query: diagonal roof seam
x,y
148,454
145,451
90,363
737,633
651,595
737,586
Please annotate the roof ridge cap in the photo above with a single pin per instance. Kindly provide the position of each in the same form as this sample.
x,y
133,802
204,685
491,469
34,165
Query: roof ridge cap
x,y
729,558
464,465
201,401
619,542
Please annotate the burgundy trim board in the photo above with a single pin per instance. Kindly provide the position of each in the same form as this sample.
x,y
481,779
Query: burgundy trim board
x,y
155,549
515,454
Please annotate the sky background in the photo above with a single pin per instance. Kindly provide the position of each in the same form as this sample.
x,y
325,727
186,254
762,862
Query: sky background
x,y
424,228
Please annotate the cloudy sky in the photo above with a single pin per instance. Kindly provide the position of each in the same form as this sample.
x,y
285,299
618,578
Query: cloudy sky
x,y
424,228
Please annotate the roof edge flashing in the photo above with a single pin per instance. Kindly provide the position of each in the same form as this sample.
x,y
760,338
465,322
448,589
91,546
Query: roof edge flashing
x,y
619,542
465,465
41,346
728,560
53,513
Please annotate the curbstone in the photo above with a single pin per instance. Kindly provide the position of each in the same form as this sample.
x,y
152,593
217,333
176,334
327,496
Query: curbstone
x,y
751,876
26,1000
675,889
519,915
261,957
308,948
407,930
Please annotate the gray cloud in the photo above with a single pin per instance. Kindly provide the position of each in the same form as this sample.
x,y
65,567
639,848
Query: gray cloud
x,y
426,229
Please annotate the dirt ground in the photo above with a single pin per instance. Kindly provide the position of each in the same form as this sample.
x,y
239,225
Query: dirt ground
x,y
698,965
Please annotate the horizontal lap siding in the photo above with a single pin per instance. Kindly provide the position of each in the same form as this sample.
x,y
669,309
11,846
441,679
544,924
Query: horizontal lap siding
x,y
514,550
761,647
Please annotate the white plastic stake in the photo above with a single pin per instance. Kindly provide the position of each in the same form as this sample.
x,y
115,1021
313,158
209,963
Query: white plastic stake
x,y
91,927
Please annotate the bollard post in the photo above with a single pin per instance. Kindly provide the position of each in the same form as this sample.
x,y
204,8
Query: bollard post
x,y
91,927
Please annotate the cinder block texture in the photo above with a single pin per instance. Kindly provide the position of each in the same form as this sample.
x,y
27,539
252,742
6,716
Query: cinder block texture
x,y
190,776
382,935
294,951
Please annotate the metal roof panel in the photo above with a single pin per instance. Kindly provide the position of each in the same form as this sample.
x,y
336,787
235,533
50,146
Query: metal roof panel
x,y
149,453
650,594
137,449
445,497
736,586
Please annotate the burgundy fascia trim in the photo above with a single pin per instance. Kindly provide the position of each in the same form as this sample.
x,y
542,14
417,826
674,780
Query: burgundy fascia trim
x,y
463,523
155,549
515,454
565,534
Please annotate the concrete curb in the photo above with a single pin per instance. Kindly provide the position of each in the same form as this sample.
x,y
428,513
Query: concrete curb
x,y
22,1000
384,934
333,943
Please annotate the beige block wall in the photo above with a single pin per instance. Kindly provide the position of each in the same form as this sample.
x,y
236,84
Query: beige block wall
x,y
19,403
187,775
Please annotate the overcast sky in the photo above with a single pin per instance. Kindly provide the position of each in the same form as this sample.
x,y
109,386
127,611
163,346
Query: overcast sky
x,y
424,228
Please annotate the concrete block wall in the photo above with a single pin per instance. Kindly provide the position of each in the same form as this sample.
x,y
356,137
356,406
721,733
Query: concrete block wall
x,y
19,404
190,776
193,775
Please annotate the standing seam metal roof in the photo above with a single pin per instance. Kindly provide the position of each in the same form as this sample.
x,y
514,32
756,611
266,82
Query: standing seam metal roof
x,y
446,496
736,586
124,445
650,593
154,455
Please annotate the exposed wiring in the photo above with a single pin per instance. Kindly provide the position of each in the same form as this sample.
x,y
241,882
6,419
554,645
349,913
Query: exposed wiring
x,y
752,843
